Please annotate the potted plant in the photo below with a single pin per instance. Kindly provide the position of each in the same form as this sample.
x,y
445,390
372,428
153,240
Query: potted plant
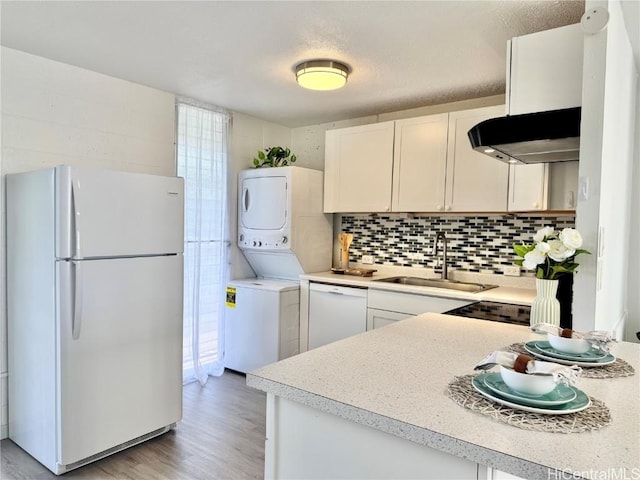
x,y
274,157
553,256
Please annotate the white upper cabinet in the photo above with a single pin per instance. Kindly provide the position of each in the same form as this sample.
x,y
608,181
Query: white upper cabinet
x,y
358,168
420,163
544,70
528,186
475,182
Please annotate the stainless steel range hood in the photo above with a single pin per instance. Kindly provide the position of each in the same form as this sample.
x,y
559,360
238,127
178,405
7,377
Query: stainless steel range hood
x,y
543,137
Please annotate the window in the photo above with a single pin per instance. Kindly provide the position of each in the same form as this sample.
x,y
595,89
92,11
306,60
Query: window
x,y
202,139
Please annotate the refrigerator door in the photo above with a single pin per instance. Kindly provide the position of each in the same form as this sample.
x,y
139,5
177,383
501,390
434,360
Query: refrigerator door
x,y
105,213
120,351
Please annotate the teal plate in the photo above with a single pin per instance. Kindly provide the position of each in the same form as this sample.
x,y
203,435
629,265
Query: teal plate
x,y
588,356
559,396
578,404
532,347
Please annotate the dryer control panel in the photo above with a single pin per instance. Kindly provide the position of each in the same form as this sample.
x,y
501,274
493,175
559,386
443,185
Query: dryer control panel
x,y
264,241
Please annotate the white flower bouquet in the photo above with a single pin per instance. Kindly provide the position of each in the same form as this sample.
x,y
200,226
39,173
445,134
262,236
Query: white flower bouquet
x,y
551,254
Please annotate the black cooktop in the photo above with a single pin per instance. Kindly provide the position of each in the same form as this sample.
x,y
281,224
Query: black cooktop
x,y
494,311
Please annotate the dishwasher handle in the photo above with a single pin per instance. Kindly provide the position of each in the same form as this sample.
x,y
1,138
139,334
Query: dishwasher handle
x,y
338,289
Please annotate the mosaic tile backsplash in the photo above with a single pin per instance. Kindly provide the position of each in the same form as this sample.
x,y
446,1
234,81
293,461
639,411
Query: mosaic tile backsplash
x,y
481,244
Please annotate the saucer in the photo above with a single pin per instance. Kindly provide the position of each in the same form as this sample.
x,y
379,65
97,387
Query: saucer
x,y
559,396
589,356
533,349
578,404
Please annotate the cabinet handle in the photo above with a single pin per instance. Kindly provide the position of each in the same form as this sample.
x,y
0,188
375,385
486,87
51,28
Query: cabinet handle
x,y
439,207
536,205
386,209
447,208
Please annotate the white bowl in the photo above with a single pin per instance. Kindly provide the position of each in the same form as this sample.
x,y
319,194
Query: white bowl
x,y
568,345
525,383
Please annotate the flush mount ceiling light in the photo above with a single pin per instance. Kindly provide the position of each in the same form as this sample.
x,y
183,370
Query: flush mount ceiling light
x,y
322,74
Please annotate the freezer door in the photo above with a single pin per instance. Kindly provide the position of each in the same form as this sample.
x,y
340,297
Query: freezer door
x,y
120,351
263,203
105,213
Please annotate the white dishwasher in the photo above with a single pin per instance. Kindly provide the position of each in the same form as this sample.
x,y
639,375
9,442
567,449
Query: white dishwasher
x,y
335,312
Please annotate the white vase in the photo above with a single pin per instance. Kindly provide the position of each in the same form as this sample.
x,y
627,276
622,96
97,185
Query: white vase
x,y
545,308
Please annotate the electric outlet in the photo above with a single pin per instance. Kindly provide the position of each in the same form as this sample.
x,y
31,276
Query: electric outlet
x,y
512,271
367,259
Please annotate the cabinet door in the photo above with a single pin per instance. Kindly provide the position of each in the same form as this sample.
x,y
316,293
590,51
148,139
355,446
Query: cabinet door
x,y
528,187
419,164
380,318
358,168
475,182
544,70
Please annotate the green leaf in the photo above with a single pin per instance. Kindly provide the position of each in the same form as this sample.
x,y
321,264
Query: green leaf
x,y
256,162
261,155
522,250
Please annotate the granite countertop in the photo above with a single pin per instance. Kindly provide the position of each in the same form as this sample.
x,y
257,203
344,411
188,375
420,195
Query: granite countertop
x,y
504,294
394,379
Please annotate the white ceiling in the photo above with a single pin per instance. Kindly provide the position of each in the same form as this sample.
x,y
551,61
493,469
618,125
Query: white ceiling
x,y
241,54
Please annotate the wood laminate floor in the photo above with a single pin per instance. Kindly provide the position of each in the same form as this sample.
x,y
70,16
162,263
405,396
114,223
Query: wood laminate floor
x,y
221,436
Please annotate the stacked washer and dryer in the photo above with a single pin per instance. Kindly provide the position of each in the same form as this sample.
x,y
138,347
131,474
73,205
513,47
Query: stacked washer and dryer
x,y
283,233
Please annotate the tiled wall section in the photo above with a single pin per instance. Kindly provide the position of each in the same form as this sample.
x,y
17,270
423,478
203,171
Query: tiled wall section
x,y
476,244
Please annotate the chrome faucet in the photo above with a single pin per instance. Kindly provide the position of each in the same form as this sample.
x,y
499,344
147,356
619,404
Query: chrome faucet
x,y
441,235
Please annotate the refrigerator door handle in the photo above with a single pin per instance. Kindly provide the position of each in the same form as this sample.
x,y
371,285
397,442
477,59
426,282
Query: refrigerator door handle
x,y
75,210
76,314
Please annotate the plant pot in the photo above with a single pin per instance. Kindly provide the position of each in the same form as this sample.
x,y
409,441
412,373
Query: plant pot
x,y
545,308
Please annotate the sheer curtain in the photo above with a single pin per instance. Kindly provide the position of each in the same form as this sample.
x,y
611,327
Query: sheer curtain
x,y
202,145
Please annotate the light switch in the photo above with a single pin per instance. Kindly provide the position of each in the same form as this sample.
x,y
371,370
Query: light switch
x,y
601,242
583,189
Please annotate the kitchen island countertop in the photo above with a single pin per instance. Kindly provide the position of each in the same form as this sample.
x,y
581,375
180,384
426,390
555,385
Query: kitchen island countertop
x,y
394,379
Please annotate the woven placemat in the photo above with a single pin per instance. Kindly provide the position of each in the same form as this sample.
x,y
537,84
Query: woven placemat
x,y
595,417
619,368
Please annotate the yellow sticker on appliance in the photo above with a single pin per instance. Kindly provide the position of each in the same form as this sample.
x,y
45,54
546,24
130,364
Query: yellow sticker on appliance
x,y
231,297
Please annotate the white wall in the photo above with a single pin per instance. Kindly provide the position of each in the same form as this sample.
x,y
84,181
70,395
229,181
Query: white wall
x,y
53,113
606,153
248,135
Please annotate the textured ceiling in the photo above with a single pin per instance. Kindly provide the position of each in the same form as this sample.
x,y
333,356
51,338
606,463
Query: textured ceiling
x,y
240,54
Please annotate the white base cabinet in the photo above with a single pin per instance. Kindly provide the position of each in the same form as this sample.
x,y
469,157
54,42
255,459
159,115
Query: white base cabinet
x,y
379,318
303,442
385,307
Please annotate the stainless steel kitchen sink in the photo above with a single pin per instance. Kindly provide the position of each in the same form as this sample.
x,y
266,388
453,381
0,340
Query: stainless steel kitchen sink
x,y
437,283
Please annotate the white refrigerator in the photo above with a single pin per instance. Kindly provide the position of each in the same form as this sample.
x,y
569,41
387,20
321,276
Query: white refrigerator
x,y
94,295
